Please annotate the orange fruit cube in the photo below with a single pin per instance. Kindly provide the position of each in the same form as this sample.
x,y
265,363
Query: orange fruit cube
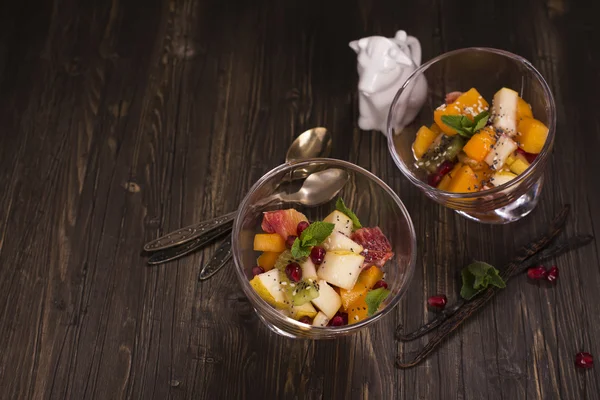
x,y
269,242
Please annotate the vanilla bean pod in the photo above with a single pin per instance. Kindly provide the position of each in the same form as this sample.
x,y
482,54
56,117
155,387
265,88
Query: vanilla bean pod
x,y
518,265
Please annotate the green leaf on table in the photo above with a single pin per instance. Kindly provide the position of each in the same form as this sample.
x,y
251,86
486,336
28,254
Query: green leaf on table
x,y
374,299
341,207
477,277
314,235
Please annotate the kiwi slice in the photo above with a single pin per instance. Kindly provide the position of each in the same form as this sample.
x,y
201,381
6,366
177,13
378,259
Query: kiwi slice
x,y
303,292
285,258
447,149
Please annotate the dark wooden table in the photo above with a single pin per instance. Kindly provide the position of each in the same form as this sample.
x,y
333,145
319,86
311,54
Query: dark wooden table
x,y
121,120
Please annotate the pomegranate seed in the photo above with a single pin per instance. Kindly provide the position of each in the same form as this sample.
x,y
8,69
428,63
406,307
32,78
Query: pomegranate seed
x,y
537,273
528,156
293,272
317,254
379,284
584,360
445,167
257,270
434,179
289,242
337,321
438,301
306,320
302,225
552,274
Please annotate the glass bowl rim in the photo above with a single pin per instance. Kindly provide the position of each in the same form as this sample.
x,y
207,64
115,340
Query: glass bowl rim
x,y
266,308
540,159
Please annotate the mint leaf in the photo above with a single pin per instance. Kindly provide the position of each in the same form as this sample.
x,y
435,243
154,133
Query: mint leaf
x,y
299,251
341,207
477,277
481,120
374,299
316,233
453,121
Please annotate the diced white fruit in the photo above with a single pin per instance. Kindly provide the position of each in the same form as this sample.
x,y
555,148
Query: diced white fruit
x,y
269,284
328,301
305,309
320,319
341,268
504,110
308,269
341,221
500,178
500,151
338,241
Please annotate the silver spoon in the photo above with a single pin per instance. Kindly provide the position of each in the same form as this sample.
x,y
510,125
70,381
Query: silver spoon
x,y
313,143
318,188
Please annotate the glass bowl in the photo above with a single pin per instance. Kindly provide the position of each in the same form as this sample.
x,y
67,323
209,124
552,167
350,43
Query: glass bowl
x,y
487,70
372,201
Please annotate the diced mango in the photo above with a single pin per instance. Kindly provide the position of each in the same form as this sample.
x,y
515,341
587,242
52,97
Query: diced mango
x,y
532,135
425,137
523,110
435,128
519,165
480,144
445,182
469,103
509,160
365,281
357,311
464,181
269,242
267,260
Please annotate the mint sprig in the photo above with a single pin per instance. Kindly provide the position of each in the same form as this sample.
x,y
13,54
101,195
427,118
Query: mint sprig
x,y
464,126
314,235
477,277
341,207
374,299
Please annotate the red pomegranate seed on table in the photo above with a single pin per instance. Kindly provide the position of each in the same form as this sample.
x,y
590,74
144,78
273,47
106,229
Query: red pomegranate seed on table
x,y
289,242
584,360
257,270
445,167
302,225
438,301
552,274
317,254
380,284
537,273
293,272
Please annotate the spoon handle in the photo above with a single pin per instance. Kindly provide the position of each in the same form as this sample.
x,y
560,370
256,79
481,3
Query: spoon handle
x,y
188,233
220,258
173,253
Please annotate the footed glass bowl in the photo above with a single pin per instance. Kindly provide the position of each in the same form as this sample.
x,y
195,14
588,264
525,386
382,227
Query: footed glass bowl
x,y
372,201
487,70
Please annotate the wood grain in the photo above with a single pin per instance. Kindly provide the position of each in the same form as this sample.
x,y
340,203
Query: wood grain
x,y
120,121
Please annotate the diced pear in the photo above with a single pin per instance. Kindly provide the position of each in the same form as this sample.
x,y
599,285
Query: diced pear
x,y
329,301
305,310
503,148
268,286
341,268
309,271
320,319
340,242
502,177
504,111
341,221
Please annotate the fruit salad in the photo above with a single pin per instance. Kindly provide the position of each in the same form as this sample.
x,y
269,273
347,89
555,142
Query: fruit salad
x,y
324,273
472,146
